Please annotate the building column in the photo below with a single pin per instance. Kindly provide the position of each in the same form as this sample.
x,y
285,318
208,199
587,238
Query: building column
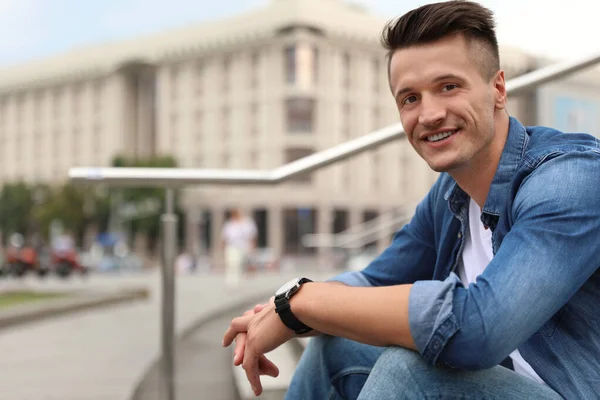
x,y
192,232
275,231
383,235
355,218
216,252
325,215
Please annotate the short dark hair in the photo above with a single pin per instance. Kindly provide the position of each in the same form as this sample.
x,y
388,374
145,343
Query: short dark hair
x,y
435,21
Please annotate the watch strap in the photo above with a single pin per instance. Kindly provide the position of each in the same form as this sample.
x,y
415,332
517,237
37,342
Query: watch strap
x,y
282,307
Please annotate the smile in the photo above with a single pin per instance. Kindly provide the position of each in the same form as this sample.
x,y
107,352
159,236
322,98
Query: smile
x,y
441,136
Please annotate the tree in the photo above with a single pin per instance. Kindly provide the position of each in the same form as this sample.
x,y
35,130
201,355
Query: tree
x,y
148,224
16,201
64,203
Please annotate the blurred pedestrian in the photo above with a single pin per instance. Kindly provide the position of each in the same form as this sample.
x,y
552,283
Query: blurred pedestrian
x,y
238,242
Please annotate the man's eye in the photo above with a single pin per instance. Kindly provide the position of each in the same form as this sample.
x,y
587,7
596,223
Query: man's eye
x,y
449,87
410,99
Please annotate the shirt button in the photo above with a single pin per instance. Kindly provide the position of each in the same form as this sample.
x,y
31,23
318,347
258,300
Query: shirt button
x,y
436,345
459,235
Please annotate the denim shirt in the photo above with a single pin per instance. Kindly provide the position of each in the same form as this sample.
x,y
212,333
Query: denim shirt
x,y
541,291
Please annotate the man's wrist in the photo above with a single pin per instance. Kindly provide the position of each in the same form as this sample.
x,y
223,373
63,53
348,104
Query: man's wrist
x,y
300,302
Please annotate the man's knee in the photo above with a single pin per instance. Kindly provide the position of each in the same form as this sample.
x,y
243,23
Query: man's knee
x,y
335,354
399,358
325,348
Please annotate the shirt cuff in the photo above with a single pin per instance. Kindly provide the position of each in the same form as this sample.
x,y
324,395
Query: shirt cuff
x,y
432,322
351,278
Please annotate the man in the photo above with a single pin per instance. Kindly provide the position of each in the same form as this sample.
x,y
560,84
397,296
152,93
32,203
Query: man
x,y
499,264
238,241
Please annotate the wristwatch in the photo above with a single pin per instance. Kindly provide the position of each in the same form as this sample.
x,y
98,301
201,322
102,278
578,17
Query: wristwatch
x,y
282,305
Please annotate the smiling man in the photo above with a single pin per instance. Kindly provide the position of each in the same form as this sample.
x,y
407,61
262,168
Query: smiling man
x,y
491,291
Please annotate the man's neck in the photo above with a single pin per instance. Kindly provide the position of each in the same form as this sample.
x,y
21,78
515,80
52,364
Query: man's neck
x,y
476,178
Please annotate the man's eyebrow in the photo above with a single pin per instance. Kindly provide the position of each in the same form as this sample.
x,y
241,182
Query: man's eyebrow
x,y
439,78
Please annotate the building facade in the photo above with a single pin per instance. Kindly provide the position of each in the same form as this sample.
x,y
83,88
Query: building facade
x,y
254,91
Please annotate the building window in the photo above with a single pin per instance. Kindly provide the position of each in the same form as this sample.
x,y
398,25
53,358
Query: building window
x,y
20,108
375,158
293,154
225,117
56,98
346,117
38,107
254,161
376,119
174,131
347,69
199,119
98,94
315,65
300,115
254,65
76,99
226,72
174,80
77,150
290,64
199,78
97,139
404,162
254,119
376,75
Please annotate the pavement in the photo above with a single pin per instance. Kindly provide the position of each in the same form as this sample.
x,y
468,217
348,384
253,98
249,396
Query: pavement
x,y
107,353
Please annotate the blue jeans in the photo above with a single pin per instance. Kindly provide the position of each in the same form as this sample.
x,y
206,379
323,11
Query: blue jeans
x,y
336,368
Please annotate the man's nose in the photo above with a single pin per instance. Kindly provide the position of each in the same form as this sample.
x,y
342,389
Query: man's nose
x,y
432,112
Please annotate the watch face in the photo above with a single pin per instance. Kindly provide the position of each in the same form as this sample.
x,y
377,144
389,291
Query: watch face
x,y
285,288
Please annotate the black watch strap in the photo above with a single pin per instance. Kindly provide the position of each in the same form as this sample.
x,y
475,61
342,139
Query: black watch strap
x,y
282,307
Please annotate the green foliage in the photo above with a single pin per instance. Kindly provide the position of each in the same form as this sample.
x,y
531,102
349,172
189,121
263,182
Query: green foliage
x,y
148,224
29,209
16,202
66,203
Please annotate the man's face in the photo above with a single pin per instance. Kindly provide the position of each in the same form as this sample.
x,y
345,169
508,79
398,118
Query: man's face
x,y
446,106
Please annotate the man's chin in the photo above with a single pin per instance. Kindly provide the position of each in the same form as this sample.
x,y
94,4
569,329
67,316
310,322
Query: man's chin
x,y
441,167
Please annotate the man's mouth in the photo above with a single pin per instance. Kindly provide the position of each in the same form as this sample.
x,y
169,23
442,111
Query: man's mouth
x,y
441,136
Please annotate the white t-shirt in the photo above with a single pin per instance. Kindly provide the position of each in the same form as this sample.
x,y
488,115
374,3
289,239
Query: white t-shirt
x,y
239,234
477,254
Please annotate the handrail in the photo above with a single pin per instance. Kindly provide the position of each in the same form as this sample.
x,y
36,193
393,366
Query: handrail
x,y
351,240
354,233
173,177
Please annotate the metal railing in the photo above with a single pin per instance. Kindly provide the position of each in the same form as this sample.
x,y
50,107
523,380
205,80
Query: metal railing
x,y
170,178
359,235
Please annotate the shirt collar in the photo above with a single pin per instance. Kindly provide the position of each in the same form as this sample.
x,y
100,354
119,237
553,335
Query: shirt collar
x,y
514,149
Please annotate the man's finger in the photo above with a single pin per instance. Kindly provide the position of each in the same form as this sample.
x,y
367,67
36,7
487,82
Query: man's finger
x,y
250,365
266,367
240,346
239,324
259,307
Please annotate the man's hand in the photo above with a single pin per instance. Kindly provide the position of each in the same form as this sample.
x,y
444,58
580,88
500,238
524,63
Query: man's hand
x,y
257,334
267,367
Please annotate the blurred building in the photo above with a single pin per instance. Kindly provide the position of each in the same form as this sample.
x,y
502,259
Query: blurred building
x,y
251,92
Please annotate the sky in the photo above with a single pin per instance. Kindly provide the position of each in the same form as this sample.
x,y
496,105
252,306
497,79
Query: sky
x,y
33,29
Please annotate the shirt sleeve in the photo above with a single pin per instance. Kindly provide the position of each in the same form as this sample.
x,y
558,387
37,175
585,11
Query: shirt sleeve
x,y
411,255
553,247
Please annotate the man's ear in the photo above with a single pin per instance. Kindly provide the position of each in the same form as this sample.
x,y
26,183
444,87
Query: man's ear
x,y
499,90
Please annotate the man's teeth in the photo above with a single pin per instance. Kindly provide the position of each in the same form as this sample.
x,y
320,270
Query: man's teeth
x,y
440,136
